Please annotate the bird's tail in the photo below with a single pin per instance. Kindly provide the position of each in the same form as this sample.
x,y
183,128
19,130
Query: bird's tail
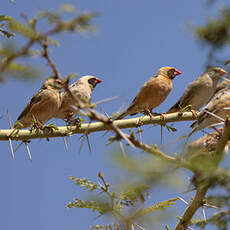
x,y
122,115
175,108
129,111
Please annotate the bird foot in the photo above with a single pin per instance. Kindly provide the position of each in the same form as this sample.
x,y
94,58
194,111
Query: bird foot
x,y
50,128
73,121
148,113
37,125
160,114
163,116
194,113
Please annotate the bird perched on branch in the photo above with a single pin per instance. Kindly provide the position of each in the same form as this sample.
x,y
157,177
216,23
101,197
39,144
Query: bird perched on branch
x,y
81,91
152,93
43,105
215,112
201,152
199,92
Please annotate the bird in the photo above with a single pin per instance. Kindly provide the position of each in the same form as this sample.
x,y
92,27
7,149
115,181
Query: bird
x,y
201,152
215,112
199,92
81,90
152,93
43,104
223,84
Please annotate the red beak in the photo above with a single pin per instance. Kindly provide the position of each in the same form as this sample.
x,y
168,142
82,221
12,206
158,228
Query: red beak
x,y
98,80
177,72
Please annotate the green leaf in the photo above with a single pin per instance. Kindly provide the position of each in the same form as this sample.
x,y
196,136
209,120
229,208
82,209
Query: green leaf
x,y
105,227
52,17
87,184
159,206
5,18
22,72
67,8
101,207
22,29
52,41
135,193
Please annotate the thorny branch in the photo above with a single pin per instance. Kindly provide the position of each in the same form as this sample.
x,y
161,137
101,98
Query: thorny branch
x,y
198,200
95,127
103,123
44,44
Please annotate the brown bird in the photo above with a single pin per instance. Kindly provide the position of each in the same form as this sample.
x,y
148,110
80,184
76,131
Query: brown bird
x,y
201,152
215,112
43,105
82,90
223,84
152,93
199,92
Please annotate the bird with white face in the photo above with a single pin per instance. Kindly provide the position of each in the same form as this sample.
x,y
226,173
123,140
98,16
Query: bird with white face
x,y
81,91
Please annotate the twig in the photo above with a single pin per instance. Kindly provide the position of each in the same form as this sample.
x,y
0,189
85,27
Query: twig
x,y
191,209
44,45
95,115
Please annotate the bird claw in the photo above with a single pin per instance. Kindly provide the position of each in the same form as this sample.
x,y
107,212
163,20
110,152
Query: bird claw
x,y
163,116
194,113
73,121
49,128
148,113
37,125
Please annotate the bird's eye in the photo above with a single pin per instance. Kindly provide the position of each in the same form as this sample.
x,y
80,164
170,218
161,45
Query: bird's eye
x,y
92,81
171,73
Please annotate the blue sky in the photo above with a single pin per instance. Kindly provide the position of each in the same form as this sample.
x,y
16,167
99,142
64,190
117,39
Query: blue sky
x,y
134,39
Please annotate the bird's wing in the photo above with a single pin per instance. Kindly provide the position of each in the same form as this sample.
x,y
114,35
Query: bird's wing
x,y
35,99
187,97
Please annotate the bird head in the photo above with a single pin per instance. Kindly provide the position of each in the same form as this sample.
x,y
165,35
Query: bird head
x,y
54,83
169,72
216,72
92,81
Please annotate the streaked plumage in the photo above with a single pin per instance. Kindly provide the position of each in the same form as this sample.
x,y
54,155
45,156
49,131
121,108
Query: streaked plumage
x,y
199,92
43,105
218,105
201,152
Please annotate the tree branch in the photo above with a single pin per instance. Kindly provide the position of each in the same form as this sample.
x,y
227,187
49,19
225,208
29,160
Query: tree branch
x,y
198,201
94,127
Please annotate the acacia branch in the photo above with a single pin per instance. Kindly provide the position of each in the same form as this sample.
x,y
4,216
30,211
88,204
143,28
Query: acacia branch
x,y
198,201
94,127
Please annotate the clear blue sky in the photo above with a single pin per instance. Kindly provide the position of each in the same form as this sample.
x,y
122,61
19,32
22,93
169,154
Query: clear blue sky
x,y
134,39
